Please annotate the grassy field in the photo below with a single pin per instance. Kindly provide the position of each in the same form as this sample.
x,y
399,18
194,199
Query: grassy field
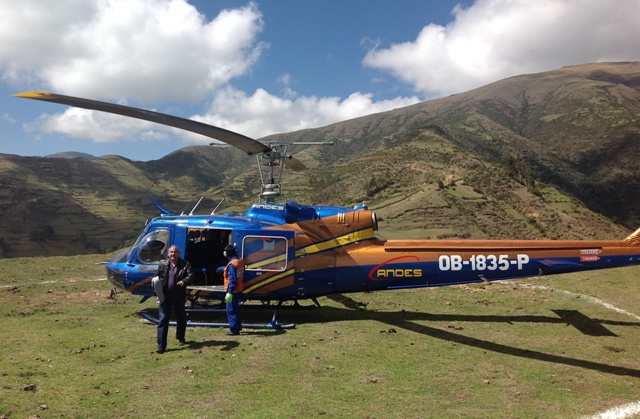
x,y
552,347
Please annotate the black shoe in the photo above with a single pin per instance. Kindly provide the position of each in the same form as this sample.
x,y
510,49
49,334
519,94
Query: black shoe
x,y
160,350
232,334
182,342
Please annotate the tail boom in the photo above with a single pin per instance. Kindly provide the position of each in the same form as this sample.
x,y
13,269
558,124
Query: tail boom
x,y
420,263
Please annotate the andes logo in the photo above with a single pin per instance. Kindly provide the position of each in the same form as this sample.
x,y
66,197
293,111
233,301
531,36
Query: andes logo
x,y
269,207
382,271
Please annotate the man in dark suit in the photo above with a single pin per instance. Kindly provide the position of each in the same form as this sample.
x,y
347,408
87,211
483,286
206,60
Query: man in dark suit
x,y
174,273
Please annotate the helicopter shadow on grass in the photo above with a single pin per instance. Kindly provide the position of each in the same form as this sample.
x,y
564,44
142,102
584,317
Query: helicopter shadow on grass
x,y
223,345
407,320
195,345
254,314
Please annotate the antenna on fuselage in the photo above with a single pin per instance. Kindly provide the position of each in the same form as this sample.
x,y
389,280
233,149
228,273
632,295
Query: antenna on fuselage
x,y
196,205
214,210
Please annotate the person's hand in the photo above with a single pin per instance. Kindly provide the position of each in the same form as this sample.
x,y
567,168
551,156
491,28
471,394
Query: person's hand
x,y
180,283
228,298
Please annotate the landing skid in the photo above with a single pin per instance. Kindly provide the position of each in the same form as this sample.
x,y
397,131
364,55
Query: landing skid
x,y
204,307
273,324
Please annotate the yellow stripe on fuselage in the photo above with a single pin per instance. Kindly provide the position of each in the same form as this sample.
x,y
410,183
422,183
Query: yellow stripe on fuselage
x,y
352,237
260,265
139,284
314,248
269,281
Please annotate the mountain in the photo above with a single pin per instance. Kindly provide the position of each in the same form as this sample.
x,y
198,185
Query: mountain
x,y
548,155
71,155
58,206
577,128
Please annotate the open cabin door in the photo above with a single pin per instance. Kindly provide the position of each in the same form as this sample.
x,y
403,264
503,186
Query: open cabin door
x,y
269,259
204,250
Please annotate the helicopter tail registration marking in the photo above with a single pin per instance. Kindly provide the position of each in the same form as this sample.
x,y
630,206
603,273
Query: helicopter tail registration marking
x,y
482,262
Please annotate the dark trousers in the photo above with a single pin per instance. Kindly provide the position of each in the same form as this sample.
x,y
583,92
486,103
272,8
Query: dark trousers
x,y
164,310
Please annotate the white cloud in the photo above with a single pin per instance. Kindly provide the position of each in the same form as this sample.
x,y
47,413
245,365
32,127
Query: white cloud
x,y
255,116
494,39
262,113
158,51
7,118
154,51
98,126
151,50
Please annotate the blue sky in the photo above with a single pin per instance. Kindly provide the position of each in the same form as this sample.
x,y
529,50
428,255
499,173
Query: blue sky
x,y
264,67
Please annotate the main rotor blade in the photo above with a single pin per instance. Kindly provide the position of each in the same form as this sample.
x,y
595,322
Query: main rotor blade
x,y
294,164
246,144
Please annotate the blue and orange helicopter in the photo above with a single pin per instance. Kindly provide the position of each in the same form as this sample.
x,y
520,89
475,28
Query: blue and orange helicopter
x,y
294,252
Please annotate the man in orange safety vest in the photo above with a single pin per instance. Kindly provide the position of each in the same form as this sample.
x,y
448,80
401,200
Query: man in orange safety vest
x,y
233,276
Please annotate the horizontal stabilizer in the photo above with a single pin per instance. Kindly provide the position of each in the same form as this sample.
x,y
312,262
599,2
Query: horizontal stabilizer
x,y
551,266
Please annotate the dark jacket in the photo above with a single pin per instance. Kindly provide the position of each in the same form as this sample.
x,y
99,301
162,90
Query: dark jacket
x,y
183,273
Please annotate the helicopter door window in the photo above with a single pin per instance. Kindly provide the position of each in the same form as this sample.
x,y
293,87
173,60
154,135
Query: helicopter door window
x,y
265,253
152,246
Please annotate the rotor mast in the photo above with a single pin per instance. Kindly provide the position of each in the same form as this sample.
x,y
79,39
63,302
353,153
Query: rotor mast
x,y
270,169
270,165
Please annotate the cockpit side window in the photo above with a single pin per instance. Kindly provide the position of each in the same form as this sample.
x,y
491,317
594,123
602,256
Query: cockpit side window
x,y
152,246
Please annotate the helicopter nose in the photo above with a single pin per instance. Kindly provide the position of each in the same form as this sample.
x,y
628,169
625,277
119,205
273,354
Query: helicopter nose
x,y
116,278
115,269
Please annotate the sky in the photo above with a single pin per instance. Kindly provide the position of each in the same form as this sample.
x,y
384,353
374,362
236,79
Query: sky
x,y
269,66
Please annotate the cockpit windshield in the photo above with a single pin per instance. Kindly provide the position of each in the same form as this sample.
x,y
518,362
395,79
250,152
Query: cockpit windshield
x,y
152,246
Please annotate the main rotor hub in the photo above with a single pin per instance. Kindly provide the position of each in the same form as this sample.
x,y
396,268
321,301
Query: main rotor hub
x,y
274,160
270,168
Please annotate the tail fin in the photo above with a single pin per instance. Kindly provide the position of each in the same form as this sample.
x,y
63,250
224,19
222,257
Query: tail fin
x,y
162,209
634,238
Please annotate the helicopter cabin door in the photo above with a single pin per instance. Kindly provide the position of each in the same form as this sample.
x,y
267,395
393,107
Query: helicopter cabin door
x,y
269,262
203,249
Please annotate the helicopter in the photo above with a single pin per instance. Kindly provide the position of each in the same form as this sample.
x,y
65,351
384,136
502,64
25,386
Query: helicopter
x,y
296,252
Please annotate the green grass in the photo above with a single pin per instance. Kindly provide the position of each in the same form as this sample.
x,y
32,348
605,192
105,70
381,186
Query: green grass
x,y
529,348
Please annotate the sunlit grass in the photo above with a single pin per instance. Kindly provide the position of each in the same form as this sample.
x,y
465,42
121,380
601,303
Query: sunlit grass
x,y
501,350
